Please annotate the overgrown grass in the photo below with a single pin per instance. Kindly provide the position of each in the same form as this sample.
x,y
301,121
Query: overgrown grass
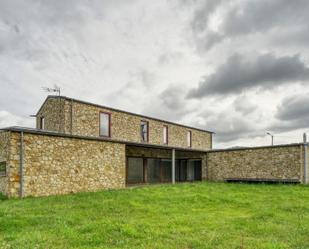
x,y
201,215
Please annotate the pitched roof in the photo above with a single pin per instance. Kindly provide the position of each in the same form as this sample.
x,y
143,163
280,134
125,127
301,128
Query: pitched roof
x,y
118,110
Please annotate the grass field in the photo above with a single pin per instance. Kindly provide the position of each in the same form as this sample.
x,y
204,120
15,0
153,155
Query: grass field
x,y
202,215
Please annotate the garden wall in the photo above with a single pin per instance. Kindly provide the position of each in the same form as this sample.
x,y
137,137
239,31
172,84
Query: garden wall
x,y
275,163
60,165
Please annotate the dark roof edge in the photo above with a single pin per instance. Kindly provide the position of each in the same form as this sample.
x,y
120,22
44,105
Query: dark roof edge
x,y
57,134
256,147
118,110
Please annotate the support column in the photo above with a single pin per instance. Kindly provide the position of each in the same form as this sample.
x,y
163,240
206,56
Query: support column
x,y
173,166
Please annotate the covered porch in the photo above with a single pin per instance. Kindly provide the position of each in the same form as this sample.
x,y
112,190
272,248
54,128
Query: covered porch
x,y
148,165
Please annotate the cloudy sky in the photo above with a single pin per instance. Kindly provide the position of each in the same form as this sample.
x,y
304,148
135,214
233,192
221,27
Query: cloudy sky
x,y
239,68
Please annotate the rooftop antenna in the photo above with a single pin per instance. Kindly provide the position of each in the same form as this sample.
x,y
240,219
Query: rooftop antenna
x,y
55,89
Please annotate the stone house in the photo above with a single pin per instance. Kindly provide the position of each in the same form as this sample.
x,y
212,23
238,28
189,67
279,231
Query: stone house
x,y
80,146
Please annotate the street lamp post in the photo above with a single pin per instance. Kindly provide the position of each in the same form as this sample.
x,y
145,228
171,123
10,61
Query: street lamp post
x,y
272,138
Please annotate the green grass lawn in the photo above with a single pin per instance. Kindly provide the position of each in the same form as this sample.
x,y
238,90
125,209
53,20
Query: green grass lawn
x,y
201,215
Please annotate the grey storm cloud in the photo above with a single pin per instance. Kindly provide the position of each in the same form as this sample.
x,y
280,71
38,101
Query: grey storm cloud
x,y
292,113
238,74
249,17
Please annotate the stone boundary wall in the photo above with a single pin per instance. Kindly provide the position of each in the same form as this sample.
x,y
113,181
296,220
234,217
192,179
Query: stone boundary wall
x,y
61,165
276,163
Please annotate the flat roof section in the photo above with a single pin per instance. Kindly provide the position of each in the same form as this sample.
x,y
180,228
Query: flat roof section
x,y
58,134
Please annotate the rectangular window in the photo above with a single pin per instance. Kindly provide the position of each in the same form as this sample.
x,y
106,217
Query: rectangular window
x,y
165,134
105,121
189,138
2,168
144,131
42,123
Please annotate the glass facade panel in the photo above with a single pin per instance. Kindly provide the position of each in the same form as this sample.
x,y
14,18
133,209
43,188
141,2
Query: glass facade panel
x,y
166,169
135,170
153,170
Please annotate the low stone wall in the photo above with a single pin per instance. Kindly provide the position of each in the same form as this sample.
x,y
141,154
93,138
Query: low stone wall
x,y
277,162
59,165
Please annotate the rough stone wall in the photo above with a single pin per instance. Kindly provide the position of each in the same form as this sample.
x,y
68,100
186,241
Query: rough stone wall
x,y
53,112
4,156
57,165
127,127
136,151
278,162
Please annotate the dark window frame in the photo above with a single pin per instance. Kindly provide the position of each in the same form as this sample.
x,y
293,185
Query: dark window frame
x,y
165,126
190,141
3,173
147,137
109,124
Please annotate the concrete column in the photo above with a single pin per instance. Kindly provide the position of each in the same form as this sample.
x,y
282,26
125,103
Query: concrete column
x,y
173,166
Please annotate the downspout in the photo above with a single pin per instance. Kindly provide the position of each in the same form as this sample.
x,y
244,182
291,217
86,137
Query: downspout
x,y
21,165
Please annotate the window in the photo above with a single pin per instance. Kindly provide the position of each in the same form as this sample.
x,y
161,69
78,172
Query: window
x,y
2,168
144,131
165,134
42,123
189,138
105,119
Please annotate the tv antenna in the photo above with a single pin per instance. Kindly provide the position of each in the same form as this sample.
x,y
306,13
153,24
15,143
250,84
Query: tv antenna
x,y
55,89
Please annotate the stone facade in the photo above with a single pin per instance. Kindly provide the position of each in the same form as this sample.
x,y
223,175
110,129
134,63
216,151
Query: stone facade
x,y
60,165
277,162
79,118
4,157
53,111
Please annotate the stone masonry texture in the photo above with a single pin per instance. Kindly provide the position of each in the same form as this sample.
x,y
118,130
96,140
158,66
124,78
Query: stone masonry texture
x,y
278,162
57,165
60,165
4,157
82,119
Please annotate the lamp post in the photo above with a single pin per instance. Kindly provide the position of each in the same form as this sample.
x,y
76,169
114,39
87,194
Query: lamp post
x,y
272,138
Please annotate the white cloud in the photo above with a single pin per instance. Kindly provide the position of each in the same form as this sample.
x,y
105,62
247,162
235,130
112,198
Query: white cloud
x,y
144,57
